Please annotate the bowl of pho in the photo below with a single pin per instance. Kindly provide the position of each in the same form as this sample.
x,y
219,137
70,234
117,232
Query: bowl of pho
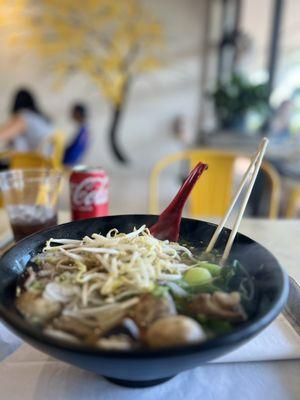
x,y
107,296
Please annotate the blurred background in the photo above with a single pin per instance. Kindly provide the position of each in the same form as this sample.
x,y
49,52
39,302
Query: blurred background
x,y
124,84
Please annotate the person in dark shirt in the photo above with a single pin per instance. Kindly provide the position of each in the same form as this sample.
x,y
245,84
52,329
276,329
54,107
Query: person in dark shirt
x,y
76,150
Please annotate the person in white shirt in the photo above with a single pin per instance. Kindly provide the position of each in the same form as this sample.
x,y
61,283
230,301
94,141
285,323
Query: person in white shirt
x,y
27,127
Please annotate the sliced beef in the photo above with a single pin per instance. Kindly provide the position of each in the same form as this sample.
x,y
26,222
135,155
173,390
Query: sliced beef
x,y
219,305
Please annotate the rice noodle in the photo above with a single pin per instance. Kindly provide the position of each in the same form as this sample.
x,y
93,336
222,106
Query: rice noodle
x,y
98,279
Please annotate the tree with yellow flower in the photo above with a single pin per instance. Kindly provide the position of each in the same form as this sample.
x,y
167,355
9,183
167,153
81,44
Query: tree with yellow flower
x,y
110,41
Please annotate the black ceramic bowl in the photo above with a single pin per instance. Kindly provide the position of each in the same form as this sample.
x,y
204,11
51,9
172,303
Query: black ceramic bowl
x,y
146,367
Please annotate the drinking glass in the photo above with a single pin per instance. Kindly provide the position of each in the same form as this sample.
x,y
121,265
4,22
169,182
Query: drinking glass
x,y
30,197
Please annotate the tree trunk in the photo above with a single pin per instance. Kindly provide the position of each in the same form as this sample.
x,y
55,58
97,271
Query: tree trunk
x,y
114,129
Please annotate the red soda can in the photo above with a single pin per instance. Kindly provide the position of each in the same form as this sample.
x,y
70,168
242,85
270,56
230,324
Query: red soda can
x,y
89,192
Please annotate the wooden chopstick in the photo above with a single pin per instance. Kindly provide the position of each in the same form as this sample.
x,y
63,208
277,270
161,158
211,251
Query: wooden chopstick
x,y
225,218
256,163
244,203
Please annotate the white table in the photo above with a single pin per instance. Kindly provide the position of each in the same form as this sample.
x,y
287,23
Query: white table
x,y
264,380
281,237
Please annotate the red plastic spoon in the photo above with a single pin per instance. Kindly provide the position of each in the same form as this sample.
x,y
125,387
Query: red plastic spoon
x,y
168,224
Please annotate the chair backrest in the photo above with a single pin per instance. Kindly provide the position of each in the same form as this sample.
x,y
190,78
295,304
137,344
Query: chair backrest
x,y
215,189
56,144
212,195
29,160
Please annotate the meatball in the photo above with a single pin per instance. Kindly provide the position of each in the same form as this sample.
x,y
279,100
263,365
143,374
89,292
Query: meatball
x,y
173,331
151,308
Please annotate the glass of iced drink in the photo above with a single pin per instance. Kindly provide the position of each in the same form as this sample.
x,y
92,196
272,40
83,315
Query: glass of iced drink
x,y
30,197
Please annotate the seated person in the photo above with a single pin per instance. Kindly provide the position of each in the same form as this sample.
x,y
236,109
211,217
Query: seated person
x,y
27,127
76,150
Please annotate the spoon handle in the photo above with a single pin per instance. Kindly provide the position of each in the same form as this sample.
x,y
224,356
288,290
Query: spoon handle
x,y
177,204
168,224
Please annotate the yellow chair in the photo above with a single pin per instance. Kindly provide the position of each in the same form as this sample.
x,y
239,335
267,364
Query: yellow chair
x,y
37,159
56,144
29,160
212,196
293,202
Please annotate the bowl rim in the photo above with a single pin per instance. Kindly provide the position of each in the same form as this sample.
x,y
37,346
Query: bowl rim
x,y
240,334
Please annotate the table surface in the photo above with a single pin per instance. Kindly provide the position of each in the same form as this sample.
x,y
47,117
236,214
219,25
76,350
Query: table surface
x,y
282,238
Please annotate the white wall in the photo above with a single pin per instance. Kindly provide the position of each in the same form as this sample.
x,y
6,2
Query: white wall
x,y
154,100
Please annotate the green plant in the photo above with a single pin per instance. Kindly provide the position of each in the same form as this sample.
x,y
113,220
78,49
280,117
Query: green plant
x,y
232,100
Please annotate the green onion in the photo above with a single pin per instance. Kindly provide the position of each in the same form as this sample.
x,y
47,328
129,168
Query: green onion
x,y
214,269
197,275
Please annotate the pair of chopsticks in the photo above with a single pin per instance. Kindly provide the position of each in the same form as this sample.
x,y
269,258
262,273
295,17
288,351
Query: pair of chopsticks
x,y
252,172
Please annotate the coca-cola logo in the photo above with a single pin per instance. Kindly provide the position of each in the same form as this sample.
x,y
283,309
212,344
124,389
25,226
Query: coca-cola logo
x,y
90,192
